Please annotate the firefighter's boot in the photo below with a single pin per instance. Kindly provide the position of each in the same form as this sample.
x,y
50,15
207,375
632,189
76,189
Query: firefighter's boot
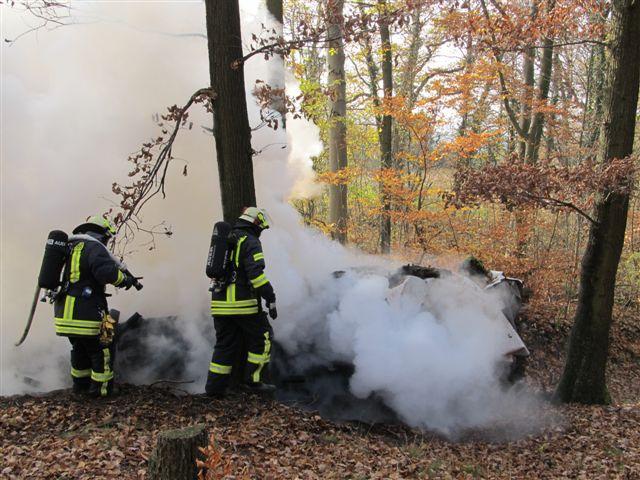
x,y
259,388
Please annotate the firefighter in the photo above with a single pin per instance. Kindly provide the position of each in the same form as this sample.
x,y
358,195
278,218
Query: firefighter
x,y
81,311
237,310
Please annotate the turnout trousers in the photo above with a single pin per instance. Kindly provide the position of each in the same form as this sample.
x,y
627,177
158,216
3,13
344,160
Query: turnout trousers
x,y
229,331
91,366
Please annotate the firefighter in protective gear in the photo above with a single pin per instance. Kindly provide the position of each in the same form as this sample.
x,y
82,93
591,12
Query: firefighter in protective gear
x,y
81,308
237,310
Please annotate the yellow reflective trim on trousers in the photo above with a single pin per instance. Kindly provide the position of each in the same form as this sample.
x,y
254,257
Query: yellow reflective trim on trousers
x,y
219,368
258,256
234,311
101,378
80,373
74,276
240,241
257,358
259,281
265,357
256,374
267,345
107,370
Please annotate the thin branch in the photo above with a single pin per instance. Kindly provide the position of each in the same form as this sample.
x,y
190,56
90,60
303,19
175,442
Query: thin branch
x,y
46,11
147,190
282,46
431,75
553,45
499,8
561,203
174,382
504,91
357,97
357,70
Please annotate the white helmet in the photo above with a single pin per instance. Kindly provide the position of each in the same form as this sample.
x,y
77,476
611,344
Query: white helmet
x,y
257,216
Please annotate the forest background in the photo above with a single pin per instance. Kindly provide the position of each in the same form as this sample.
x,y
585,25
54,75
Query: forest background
x,y
437,93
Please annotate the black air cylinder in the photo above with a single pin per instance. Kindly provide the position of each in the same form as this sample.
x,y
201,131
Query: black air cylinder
x,y
219,251
56,252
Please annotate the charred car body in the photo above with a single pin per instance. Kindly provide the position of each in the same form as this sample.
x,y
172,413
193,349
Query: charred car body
x,y
323,386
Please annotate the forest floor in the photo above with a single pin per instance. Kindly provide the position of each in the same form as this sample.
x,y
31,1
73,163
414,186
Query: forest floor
x,y
56,435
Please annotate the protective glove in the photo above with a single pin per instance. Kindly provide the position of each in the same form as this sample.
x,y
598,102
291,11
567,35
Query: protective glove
x,y
127,282
273,312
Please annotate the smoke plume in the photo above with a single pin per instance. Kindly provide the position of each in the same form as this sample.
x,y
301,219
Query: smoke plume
x,y
77,100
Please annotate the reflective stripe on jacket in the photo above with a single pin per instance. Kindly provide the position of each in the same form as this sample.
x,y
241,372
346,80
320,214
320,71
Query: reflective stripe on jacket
x,y
242,297
89,265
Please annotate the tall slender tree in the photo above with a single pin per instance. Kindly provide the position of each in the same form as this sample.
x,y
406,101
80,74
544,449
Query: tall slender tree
x,y
230,119
386,127
544,82
277,75
584,379
337,117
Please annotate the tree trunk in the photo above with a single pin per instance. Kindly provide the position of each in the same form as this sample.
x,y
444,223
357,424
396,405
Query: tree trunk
x,y
595,104
544,82
230,120
469,60
411,69
372,70
275,9
276,75
386,130
175,454
583,379
527,98
337,117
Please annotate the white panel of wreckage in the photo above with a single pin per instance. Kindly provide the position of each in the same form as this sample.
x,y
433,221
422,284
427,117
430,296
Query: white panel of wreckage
x,y
414,289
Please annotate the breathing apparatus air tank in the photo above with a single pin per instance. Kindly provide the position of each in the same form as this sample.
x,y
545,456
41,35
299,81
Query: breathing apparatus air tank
x,y
219,259
56,252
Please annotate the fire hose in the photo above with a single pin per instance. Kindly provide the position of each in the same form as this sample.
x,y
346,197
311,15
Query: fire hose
x,y
51,296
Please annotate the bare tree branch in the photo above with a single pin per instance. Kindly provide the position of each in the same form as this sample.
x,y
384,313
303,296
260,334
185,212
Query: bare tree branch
x,y
50,14
154,177
504,91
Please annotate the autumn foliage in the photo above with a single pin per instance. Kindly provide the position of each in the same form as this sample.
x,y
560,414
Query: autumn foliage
x,y
495,115
214,466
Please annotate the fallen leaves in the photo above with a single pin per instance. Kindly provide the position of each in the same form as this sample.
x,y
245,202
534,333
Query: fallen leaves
x,y
58,436
61,436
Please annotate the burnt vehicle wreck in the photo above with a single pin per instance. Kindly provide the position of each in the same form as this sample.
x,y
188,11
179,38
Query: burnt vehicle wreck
x,y
154,349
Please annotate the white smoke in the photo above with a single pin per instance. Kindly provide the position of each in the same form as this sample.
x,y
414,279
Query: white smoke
x,y
78,100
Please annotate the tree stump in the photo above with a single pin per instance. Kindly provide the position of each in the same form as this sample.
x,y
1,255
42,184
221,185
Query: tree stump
x,y
175,454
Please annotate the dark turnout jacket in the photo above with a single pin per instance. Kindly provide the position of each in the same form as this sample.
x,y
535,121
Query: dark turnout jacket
x,y
242,296
79,311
